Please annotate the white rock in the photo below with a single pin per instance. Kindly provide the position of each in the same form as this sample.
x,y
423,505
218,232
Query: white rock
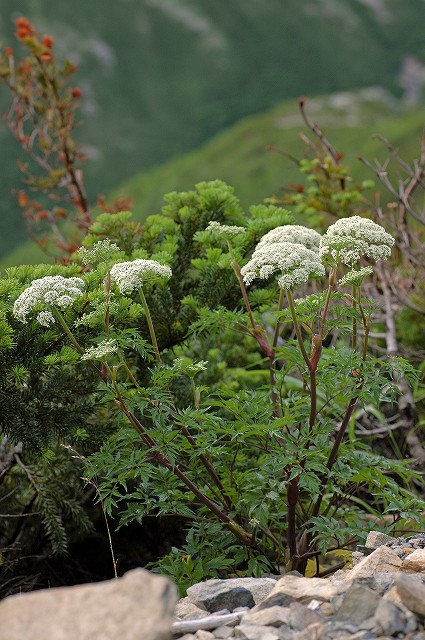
x,y
186,609
204,635
272,616
223,632
382,560
307,589
415,561
138,605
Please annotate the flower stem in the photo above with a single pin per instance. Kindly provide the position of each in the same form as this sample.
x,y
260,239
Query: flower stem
x,y
68,332
354,328
257,332
277,327
150,326
74,341
237,270
297,327
332,274
129,373
107,290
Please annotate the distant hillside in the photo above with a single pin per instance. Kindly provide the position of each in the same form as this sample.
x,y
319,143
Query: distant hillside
x,y
240,157
160,77
239,154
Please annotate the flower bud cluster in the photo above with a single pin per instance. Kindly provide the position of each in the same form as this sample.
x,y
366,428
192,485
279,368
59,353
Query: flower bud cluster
x,y
132,275
44,294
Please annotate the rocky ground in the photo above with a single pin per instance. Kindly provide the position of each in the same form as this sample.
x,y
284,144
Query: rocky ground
x,y
381,597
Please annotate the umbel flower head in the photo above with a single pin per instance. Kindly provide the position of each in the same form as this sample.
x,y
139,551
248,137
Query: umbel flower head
x,y
292,233
293,263
351,238
44,294
132,275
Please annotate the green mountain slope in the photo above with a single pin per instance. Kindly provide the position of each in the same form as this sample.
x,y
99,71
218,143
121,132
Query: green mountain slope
x,y
161,77
239,155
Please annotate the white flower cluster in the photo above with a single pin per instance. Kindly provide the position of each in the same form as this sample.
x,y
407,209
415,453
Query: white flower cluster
x,y
355,277
224,229
292,233
46,293
350,238
103,349
293,262
101,251
131,275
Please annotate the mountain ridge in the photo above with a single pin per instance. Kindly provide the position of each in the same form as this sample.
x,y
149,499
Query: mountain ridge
x,y
239,154
162,77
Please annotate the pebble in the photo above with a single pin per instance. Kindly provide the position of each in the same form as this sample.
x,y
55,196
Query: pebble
x,y
381,598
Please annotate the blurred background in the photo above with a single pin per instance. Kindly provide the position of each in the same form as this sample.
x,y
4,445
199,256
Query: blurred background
x,y
178,91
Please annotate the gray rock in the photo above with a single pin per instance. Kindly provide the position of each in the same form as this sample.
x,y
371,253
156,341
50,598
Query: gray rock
x,y
257,632
301,616
357,635
326,609
223,632
223,612
138,605
313,632
390,618
356,557
346,631
214,595
411,621
376,538
369,624
358,604
411,592
204,635
272,616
